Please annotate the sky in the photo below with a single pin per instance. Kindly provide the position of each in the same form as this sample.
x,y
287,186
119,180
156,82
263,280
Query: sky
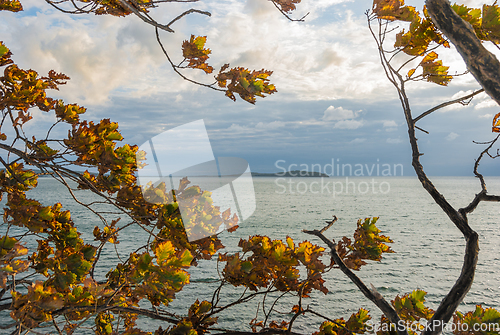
x,y
333,103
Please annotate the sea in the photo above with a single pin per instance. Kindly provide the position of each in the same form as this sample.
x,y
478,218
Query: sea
x,y
429,249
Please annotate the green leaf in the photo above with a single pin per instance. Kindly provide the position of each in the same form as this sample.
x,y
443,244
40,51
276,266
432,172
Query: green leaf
x,y
186,258
72,233
418,295
114,136
246,266
204,307
491,315
7,242
88,252
3,50
46,213
164,251
63,280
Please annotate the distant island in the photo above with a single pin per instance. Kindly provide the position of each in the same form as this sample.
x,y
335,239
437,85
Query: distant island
x,y
294,173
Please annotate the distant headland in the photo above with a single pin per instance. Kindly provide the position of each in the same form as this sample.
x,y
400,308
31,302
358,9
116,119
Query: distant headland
x,y
294,173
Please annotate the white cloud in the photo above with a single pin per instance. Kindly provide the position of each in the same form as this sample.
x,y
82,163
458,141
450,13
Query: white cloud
x,y
460,94
390,123
107,56
451,136
348,124
271,125
358,140
337,113
238,129
311,61
486,116
452,107
100,54
487,103
394,140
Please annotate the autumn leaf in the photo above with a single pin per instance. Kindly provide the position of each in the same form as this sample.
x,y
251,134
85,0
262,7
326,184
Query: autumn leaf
x,y
357,324
410,307
246,84
195,53
394,10
5,55
482,321
163,252
368,244
471,15
10,5
287,5
419,36
69,113
496,124
434,71
490,22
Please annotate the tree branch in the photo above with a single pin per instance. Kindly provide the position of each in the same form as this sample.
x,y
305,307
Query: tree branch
x,y
464,282
483,65
459,100
371,294
102,308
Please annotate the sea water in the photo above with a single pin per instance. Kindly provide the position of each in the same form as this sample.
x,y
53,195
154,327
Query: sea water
x,y
429,250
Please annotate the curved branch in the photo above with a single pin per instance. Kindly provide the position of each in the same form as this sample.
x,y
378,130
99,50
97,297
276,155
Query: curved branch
x,y
174,67
144,17
187,13
481,196
459,100
102,308
286,15
372,293
464,282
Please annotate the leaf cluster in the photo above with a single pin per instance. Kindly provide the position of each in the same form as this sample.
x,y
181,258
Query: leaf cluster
x,y
368,245
246,84
266,262
356,324
481,321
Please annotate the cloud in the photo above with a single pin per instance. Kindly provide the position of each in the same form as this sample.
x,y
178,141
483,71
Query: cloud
x,y
238,129
99,54
358,140
390,123
311,61
271,125
337,113
348,124
486,104
107,56
451,136
344,118
486,116
394,140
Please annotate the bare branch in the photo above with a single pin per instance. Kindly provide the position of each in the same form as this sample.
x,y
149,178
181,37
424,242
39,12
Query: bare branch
x,y
174,67
459,100
187,13
286,15
373,296
464,282
144,17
